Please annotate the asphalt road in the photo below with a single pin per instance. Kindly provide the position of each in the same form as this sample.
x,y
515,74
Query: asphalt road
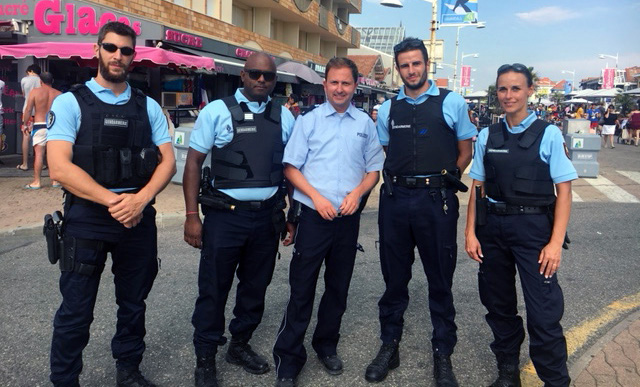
x,y
601,266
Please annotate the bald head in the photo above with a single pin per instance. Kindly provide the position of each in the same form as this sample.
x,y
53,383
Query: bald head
x,y
258,77
260,59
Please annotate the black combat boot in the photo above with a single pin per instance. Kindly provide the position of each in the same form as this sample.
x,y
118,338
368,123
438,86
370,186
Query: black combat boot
x,y
388,358
131,378
240,353
205,373
443,371
508,375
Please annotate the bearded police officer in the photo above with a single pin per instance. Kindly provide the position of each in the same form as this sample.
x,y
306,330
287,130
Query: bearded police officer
x,y
243,217
427,135
522,166
110,149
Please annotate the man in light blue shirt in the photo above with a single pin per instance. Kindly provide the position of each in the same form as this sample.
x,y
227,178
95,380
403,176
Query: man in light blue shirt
x,y
243,216
332,159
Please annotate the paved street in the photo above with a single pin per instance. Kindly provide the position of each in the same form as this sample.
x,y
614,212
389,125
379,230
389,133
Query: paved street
x,y
599,277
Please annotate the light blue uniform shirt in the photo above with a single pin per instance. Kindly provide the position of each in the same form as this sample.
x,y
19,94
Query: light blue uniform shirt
x,y
454,108
214,127
552,151
333,151
65,116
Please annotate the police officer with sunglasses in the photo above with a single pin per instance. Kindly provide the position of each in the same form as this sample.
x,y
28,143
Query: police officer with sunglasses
x,y
522,169
245,134
109,147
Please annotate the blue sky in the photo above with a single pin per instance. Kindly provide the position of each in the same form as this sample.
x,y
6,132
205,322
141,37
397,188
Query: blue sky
x,y
549,35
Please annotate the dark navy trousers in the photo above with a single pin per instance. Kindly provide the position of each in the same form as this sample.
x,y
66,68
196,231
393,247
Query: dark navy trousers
x,y
242,243
135,266
317,241
515,241
415,217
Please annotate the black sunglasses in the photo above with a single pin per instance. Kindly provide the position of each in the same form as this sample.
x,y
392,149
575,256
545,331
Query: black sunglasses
x,y
517,67
124,50
256,74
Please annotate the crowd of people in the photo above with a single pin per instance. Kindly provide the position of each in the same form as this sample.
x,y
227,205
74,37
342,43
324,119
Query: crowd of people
x,y
108,146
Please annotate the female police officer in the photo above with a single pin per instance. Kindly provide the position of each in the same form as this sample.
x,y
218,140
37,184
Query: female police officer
x,y
517,162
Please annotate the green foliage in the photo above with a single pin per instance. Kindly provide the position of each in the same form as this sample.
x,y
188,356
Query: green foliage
x,y
624,103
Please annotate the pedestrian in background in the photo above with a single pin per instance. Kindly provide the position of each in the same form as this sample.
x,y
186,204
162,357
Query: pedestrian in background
x,y
634,124
333,159
109,147
245,134
609,126
520,164
28,83
40,100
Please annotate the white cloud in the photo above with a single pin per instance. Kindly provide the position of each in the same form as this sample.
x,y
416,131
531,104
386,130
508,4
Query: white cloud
x,y
546,15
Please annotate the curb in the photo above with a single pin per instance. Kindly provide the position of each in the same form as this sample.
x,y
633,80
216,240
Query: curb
x,y
583,362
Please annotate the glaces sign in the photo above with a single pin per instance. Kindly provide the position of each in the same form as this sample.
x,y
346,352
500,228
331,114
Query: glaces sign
x,y
50,18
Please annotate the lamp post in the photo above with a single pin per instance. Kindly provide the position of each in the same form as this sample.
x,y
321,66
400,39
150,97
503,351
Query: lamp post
x,y
475,55
573,77
459,26
434,26
603,56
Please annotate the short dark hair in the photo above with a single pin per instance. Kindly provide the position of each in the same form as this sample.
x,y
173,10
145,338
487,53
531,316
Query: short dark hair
x,y
410,44
34,68
119,29
516,68
340,62
294,97
46,78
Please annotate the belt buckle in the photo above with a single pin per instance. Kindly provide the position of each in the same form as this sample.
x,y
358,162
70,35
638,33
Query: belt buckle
x,y
255,205
410,181
339,215
500,208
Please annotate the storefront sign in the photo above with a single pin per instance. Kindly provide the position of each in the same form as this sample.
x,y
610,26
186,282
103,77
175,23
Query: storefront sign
x,y
243,53
181,37
317,67
74,20
368,81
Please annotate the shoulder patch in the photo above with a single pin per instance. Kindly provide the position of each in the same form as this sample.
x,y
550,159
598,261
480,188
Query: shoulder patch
x,y
51,119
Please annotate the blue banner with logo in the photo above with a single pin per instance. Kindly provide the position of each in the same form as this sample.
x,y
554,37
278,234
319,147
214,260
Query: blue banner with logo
x,y
458,11
568,86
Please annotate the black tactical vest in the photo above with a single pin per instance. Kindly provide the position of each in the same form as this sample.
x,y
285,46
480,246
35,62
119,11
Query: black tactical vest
x,y
114,143
420,140
514,172
253,158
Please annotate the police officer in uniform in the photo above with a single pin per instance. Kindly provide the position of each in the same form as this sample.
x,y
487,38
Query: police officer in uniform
x,y
333,160
427,136
245,134
109,147
517,163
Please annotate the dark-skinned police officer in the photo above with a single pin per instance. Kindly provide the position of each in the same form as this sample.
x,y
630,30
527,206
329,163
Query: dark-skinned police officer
x,y
109,147
522,166
333,159
427,135
245,134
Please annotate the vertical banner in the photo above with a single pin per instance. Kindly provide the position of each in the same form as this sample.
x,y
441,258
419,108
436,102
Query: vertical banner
x,y
458,11
465,76
607,78
568,86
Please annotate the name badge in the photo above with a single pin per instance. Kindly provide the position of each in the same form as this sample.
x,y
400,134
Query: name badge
x,y
248,116
119,122
247,129
492,150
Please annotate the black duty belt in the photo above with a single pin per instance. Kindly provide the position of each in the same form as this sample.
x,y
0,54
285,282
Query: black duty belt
x,y
512,209
253,205
436,181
